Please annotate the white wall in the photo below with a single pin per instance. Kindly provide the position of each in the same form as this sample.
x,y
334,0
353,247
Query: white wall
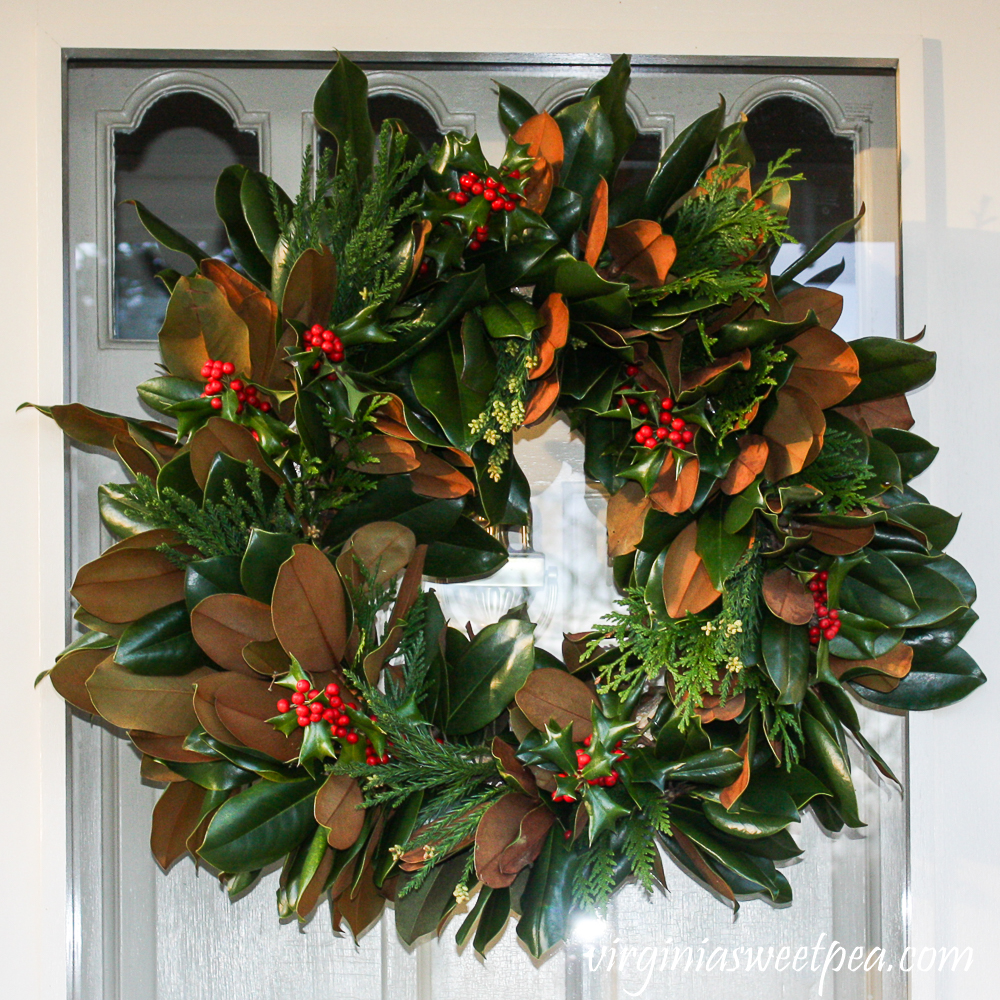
x,y
949,89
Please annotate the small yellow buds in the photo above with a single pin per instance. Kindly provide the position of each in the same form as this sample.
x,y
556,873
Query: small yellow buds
x,y
734,664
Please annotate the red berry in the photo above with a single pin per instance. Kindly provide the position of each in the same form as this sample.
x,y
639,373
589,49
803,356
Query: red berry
x,y
213,387
674,437
501,189
283,705
687,436
567,834
298,698
462,199
612,779
228,368
677,424
352,737
508,206
639,436
830,633
313,693
335,702
582,759
643,410
497,206
815,585
330,716
491,182
304,720
475,245
631,400
465,182
302,685
332,689
667,404
632,371
661,433
824,623
341,731
834,614
206,370
265,406
586,741
343,720
476,188
650,442
515,174
665,417
823,575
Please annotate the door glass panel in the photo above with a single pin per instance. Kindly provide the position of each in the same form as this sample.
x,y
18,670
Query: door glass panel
x,y
170,163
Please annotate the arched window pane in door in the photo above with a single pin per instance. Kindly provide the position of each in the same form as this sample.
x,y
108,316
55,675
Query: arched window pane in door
x,y
170,163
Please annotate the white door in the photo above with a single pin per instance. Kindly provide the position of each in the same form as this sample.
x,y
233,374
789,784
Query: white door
x,y
160,132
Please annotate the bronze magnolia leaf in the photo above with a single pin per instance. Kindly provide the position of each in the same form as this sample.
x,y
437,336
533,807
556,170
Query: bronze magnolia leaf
x,y
553,334
242,705
266,658
124,584
311,288
627,511
509,764
893,411
642,250
701,376
309,610
541,134
787,597
730,795
156,704
157,772
204,707
597,225
313,892
674,492
220,435
835,541
543,401
232,284
70,675
825,304
199,326
747,465
383,548
884,672
169,748
338,808
260,314
498,829
705,871
406,596
550,694
437,478
223,624
794,434
362,906
175,817
687,587
826,368
388,456
530,838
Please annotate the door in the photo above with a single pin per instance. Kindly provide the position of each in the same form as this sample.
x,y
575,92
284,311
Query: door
x,y
160,132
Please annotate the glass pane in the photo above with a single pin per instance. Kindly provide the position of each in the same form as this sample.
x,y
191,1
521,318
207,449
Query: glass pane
x,y
170,163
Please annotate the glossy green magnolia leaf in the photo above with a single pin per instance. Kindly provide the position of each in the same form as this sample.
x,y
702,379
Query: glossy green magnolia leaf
x,y
889,367
259,825
341,109
176,475
786,657
816,251
589,146
494,917
510,316
204,577
610,91
160,644
720,551
681,165
933,523
466,551
885,465
933,683
929,644
120,513
878,589
718,767
258,210
164,391
265,553
862,638
514,110
547,898
229,208
167,236
938,597
828,761
483,681
217,776
913,452
420,911
750,333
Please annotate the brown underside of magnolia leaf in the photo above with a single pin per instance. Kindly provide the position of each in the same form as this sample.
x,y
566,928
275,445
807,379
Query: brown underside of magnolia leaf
x,y
836,541
437,478
389,456
787,597
219,435
510,764
311,287
825,304
826,368
643,251
886,671
687,588
497,830
124,585
169,748
893,411
627,511
730,795
550,694
338,809
747,465
223,624
383,548
543,400
543,137
674,493
242,705
553,334
71,672
794,434
597,225
175,818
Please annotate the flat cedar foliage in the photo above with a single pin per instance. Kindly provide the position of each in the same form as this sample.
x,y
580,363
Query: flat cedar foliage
x,y
338,421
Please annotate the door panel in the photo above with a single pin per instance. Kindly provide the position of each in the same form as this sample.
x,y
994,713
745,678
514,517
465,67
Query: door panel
x,y
138,934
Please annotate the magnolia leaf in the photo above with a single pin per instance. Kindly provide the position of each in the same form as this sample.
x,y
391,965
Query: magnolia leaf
x,y
597,226
825,304
231,283
674,492
553,334
729,795
642,250
687,587
550,694
168,748
243,705
893,411
747,465
308,610
200,326
530,838
436,478
498,829
267,658
338,808
176,816
517,776
70,675
311,288
826,368
204,708
702,376
267,366
793,433
835,541
542,136
156,704
880,674
383,548
787,597
224,623
406,596
223,436
384,456
543,401
627,511
157,772
125,584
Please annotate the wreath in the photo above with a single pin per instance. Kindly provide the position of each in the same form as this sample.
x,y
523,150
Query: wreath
x,y
339,413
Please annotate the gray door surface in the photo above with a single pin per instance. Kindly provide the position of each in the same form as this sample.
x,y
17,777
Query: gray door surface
x,y
138,934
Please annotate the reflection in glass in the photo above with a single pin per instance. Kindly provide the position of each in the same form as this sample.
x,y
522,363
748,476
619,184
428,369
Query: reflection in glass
x,y
170,163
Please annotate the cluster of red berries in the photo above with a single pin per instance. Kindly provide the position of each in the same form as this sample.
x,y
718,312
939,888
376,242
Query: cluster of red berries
x,y
582,760
671,429
495,192
328,342
327,706
482,235
827,619
214,372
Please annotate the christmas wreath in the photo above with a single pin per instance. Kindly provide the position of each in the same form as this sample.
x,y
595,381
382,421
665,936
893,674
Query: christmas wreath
x,y
339,416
